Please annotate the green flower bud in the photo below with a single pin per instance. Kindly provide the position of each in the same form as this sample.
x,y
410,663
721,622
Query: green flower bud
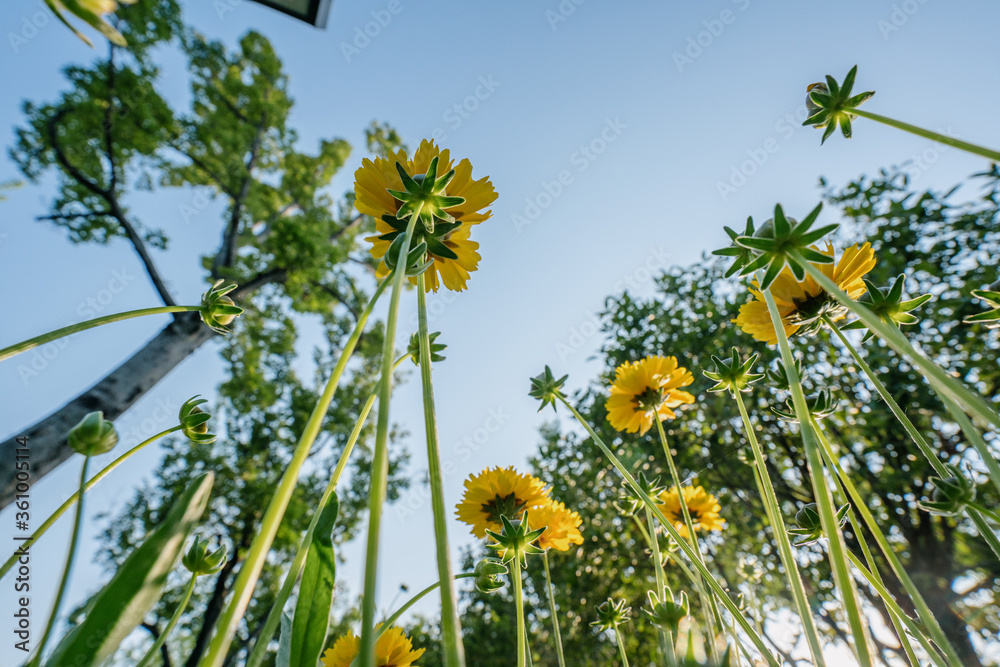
x,y
93,435
199,560
831,104
889,305
611,614
810,527
436,348
488,572
547,388
218,310
633,502
515,539
734,376
194,421
820,406
951,494
667,615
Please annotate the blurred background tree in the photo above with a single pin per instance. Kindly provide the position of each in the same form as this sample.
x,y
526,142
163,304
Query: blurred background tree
x,y
945,245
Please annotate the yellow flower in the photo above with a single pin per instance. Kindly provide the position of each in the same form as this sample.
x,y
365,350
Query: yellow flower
x,y
802,303
702,506
495,492
644,388
374,179
392,649
562,526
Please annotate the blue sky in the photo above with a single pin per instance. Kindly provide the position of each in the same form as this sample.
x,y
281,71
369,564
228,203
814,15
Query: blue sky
x,y
620,137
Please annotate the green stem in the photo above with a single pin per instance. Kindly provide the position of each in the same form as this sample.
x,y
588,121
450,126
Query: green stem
x,y
519,610
259,548
389,622
147,659
821,492
707,599
380,460
61,591
666,645
993,514
985,531
621,647
908,425
942,382
774,515
682,543
861,506
274,616
553,611
897,624
25,345
928,134
895,608
451,627
76,495
976,440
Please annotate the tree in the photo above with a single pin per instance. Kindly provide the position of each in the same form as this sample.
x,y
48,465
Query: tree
x,y
942,246
111,134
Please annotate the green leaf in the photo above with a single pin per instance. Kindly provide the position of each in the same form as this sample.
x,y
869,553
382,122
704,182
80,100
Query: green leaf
x,y
311,621
137,585
284,658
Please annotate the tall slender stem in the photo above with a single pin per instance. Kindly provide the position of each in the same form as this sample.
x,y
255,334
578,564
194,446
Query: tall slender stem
x,y
860,505
908,425
821,492
259,548
389,622
928,134
380,459
181,606
274,616
985,531
5,568
666,641
553,611
942,383
975,438
451,627
773,510
621,647
707,599
25,345
682,543
61,591
519,610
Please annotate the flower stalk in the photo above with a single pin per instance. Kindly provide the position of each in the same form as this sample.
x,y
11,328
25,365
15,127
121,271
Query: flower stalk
x,y
773,511
451,628
943,383
553,611
380,457
150,656
5,568
257,553
821,492
682,543
981,151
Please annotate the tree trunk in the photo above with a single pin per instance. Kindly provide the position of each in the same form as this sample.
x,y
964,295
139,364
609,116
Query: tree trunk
x,y
114,394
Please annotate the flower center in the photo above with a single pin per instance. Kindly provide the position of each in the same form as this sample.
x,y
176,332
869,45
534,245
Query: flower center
x,y
651,399
509,506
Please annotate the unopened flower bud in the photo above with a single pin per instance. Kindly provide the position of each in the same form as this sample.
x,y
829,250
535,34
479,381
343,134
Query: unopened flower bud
x,y
199,560
93,435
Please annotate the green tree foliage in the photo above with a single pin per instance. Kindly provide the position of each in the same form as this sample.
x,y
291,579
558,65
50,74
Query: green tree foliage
x,y
946,245
290,245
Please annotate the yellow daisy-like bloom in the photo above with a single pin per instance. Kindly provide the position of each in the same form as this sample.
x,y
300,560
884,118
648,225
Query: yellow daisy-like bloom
x,y
801,303
392,649
495,492
375,178
702,506
646,388
562,526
